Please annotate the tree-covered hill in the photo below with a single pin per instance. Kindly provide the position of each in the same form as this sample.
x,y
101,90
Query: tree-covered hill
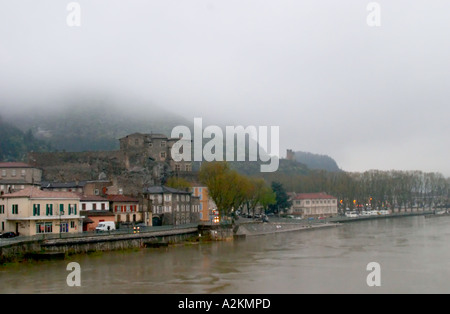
x,y
93,122
317,162
15,144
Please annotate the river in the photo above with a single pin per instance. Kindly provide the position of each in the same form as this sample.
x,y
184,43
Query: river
x,y
413,254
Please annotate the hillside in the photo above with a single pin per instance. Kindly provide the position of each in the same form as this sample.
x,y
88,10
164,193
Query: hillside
x,y
317,162
15,144
94,123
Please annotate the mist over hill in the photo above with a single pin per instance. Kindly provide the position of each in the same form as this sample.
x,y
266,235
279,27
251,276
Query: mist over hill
x,y
15,143
78,122
93,122
317,162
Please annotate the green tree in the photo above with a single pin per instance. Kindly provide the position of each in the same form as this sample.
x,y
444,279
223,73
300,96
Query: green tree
x,y
282,199
226,187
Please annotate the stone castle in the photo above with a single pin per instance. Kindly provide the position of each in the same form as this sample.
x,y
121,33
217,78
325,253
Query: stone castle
x,y
142,160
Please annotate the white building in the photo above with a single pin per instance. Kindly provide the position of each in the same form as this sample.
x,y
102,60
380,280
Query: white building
x,y
94,202
313,205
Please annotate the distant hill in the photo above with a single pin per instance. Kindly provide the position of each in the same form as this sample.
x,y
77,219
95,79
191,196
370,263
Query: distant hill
x,y
94,123
15,144
317,162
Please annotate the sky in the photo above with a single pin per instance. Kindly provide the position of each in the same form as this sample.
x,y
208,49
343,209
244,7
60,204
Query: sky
x,y
371,97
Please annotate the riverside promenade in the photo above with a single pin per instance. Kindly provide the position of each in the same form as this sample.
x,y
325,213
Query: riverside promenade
x,y
78,243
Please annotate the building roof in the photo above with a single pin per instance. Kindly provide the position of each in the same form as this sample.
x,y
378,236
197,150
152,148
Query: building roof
x,y
35,192
312,196
96,213
62,185
151,135
18,182
121,198
162,189
14,165
92,198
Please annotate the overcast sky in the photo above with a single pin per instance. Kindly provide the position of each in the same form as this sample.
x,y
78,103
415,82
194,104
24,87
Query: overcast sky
x,y
370,97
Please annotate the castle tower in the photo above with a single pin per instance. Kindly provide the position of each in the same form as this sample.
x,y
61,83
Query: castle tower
x,y
290,154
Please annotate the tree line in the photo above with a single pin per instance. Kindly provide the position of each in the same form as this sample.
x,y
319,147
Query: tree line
x,y
375,187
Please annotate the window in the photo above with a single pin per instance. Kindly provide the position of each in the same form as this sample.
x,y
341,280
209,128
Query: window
x,y
188,168
2,187
72,224
163,143
177,167
15,209
94,206
13,172
163,154
61,209
3,173
44,227
64,227
2,209
83,206
96,192
103,206
183,198
188,198
49,210
23,172
167,197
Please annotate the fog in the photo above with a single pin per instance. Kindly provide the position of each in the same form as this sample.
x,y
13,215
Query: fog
x,y
370,97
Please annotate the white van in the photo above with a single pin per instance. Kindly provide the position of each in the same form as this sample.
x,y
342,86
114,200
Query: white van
x,y
105,226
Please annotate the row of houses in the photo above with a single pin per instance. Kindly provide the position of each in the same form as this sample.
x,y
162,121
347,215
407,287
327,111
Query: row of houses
x,y
29,206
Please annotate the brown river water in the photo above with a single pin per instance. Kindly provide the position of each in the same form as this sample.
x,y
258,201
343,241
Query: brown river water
x,y
413,254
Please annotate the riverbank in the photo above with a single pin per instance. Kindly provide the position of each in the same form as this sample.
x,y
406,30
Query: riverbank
x,y
256,229
59,248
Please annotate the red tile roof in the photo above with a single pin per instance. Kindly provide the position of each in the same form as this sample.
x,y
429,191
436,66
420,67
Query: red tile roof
x,y
312,196
14,165
121,198
35,192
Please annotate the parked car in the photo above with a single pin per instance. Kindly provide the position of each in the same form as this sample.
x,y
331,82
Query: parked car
x,y
8,235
